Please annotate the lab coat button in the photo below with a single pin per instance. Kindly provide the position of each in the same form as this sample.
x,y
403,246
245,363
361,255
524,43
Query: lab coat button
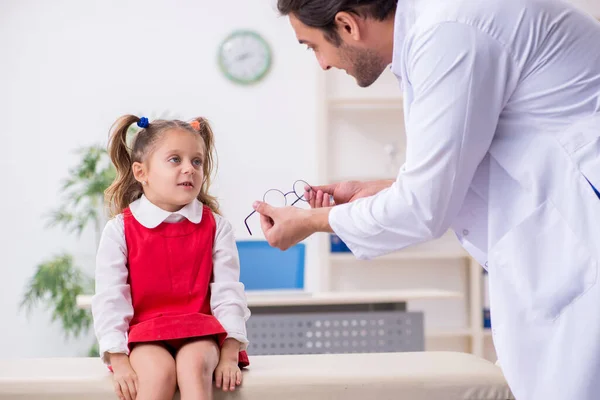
x,y
465,232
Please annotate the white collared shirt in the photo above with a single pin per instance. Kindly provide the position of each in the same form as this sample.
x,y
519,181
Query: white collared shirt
x,y
111,305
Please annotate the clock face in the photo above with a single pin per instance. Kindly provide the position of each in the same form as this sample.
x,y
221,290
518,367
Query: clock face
x,y
245,57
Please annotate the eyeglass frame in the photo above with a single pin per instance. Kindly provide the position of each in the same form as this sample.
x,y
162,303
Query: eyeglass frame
x,y
299,198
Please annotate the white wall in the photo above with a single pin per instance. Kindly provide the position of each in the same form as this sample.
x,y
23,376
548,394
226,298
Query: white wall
x,y
69,68
591,6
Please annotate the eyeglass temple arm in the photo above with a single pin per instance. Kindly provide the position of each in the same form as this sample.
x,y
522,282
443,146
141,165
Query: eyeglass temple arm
x,y
246,222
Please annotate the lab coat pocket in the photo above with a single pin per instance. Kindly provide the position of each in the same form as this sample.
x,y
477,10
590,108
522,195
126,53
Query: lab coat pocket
x,y
546,262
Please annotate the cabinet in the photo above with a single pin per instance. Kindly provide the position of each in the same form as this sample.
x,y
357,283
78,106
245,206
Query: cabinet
x,y
361,137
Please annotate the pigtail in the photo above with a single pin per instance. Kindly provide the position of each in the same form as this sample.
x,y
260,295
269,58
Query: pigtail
x,y
125,188
209,166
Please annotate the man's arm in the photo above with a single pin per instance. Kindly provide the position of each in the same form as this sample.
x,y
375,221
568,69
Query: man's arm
x,y
285,226
460,79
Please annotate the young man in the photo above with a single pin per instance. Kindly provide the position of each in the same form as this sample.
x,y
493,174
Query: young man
x,y
502,113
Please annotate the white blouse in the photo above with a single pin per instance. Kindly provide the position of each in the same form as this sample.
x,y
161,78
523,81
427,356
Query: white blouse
x,y
112,308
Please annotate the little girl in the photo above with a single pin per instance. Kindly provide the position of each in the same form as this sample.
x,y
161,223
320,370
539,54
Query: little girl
x,y
169,310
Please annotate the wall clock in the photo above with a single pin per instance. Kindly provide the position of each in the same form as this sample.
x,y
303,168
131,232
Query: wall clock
x,y
245,57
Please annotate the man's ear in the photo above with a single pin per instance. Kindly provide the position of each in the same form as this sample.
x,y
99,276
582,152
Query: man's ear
x,y
347,25
139,172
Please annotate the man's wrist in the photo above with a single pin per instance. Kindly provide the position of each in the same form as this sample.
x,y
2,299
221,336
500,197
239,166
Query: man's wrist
x,y
375,187
319,220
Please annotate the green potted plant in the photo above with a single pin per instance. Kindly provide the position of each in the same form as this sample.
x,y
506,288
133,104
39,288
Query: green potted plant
x,y
58,281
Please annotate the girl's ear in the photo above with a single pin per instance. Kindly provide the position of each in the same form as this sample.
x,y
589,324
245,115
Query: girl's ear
x,y
139,172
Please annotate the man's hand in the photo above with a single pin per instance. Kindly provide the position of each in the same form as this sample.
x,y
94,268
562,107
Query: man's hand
x,y
344,192
286,226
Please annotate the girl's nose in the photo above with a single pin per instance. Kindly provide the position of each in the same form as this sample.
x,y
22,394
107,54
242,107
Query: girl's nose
x,y
188,168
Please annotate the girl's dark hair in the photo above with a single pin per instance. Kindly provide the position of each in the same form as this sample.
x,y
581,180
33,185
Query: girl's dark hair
x,y
126,189
321,13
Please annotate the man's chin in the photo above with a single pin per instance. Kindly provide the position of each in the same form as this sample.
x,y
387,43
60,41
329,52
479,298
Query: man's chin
x,y
365,82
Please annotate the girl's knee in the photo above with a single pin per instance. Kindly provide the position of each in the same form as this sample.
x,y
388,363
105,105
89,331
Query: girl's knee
x,y
201,356
155,368
167,377
206,363
160,379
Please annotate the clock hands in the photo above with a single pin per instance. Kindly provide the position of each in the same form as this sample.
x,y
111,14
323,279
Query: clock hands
x,y
242,56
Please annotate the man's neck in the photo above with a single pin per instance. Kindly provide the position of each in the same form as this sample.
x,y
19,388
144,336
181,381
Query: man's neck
x,y
382,38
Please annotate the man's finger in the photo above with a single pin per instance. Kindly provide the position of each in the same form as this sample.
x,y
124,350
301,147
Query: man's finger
x,y
325,188
266,223
263,208
311,196
320,197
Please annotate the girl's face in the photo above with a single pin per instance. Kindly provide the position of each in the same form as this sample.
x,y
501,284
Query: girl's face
x,y
172,174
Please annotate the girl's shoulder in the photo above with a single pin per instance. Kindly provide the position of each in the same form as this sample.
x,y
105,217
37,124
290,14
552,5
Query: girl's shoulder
x,y
116,223
224,227
219,219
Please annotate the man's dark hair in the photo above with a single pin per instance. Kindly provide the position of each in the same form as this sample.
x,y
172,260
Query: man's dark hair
x,y
321,13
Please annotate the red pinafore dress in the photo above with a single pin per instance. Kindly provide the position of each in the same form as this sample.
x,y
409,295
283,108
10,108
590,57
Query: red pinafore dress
x,y
170,271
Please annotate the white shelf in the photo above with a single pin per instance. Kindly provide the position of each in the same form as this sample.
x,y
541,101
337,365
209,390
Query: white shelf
x,y
295,298
449,333
354,126
402,255
444,248
356,297
366,103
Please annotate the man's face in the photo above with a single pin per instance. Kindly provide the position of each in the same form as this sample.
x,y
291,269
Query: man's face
x,y
363,63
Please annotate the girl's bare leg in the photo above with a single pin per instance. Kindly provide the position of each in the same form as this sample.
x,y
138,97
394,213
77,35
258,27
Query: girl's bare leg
x,y
195,363
156,372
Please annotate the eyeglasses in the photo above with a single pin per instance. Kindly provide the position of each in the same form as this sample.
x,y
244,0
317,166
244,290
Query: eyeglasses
x,y
275,197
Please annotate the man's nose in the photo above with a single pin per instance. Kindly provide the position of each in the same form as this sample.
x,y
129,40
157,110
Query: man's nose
x,y
323,64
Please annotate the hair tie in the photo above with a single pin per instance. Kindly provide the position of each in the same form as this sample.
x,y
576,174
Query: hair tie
x,y
143,123
195,124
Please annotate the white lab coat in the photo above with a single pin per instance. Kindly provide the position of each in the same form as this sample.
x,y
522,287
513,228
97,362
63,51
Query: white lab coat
x,y
502,111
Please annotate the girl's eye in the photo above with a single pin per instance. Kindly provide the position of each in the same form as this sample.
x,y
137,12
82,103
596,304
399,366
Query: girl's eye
x,y
197,162
174,159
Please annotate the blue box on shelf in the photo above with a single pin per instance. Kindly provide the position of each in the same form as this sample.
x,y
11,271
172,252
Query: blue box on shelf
x,y
263,267
338,245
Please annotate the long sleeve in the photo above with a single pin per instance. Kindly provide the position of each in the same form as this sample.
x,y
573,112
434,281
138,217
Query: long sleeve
x,y
111,305
460,80
228,299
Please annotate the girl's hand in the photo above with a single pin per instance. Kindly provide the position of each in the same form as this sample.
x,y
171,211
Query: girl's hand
x,y
124,377
228,375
